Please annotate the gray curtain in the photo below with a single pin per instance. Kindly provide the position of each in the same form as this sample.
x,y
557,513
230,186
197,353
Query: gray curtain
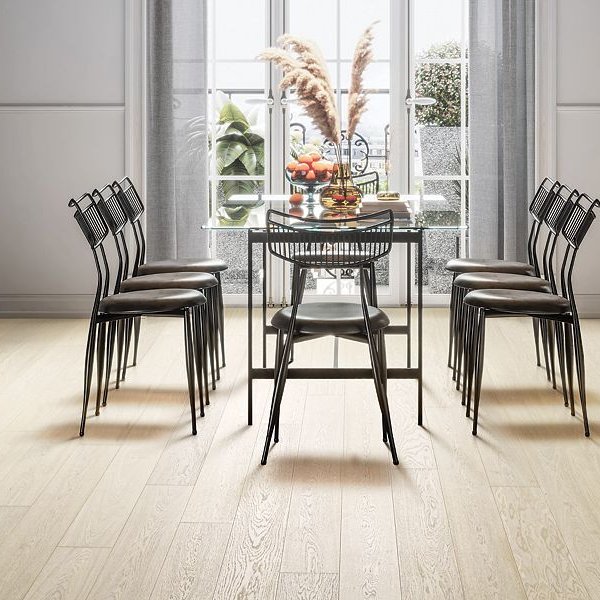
x,y
176,140
501,126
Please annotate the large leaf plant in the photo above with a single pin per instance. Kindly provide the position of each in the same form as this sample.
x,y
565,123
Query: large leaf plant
x,y
239,148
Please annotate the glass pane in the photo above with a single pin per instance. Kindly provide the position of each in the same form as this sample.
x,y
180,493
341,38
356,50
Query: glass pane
x,y
437,22
240,75
240,28
232,247
352,27
316,22
437,132
441,204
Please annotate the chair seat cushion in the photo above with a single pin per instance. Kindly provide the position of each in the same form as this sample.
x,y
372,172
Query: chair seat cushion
x,y
195,265
502,281
159,281
519,302
341,318
473,265
151,301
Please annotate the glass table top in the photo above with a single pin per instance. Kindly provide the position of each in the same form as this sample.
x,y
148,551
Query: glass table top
x,y
243,212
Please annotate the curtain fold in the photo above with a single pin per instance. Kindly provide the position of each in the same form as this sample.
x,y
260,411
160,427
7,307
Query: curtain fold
x,y
176,132
501,126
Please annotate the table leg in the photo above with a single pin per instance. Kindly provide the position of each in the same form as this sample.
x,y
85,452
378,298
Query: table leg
x,y
249,328
264,307
408,303
420,327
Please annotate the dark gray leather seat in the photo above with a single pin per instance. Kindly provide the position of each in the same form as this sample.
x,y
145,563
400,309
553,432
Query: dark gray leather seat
x,y
151,301
519,302
195,265
502,281
473,265
159,281
341,318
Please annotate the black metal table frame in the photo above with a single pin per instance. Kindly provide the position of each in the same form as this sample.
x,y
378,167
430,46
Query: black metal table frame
x,y
402,236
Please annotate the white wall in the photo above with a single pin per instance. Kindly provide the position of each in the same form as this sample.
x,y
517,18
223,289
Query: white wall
x,y
68,123
569,117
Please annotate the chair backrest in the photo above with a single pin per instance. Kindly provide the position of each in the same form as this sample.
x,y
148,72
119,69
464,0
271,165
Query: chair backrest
x,y
133,207
330,244
538,209
574,230
115,218
367,183
95,231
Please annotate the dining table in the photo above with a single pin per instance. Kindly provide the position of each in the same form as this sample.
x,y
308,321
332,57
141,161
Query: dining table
x,y
248,213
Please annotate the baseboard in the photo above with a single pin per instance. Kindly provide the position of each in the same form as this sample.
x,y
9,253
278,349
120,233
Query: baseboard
x,y
588,305
61,306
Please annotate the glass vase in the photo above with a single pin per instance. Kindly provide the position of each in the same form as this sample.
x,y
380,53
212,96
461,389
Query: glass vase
x,y
341,195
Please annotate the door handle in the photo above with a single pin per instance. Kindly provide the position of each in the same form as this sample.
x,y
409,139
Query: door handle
x,y
420,101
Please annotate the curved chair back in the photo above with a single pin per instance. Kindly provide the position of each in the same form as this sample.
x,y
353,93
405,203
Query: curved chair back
x,y
95,231
133,207
367,183
114,216
330,244
538,209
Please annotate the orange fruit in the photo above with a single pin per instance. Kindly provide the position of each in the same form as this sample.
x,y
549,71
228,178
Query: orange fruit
x,y
319,166
310,176
302,167
291,166
296,199
315,156
305,158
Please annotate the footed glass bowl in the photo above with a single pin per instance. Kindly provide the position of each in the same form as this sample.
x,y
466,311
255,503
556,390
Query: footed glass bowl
x,y
310,187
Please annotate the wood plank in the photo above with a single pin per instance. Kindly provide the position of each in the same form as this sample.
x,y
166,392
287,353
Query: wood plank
x,y
192,565
32,541
251,564
312,542
69,574
368,557
134,564
308,586
483,554
9,517
544,562
22,485
427,561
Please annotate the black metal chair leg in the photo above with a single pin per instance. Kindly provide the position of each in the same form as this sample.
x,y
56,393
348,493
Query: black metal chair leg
x,y
100,356
221,318
88,372
451,322
457,331
205,336
580,367
551,352
479,375
278,353
189,351
120,342
137,323
128,332
384,378
468,352
471,381
460,339
112,327
560,344
215,315
544,331
211,343
569,364
198,344
536,338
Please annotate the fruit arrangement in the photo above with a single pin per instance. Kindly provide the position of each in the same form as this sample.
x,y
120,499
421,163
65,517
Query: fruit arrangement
x,y
310,169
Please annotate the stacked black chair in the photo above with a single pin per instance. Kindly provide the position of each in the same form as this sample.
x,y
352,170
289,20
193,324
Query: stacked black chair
x,y
111,307
352,243
558,307
538,208
134,209
554,208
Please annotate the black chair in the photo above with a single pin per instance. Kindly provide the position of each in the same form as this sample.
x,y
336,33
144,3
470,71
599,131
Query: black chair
x,y
134,209
556,208
116,219
111,307
355,242
367,183
559,307
537,209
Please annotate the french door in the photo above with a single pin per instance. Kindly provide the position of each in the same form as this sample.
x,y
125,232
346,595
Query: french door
x,y
414,146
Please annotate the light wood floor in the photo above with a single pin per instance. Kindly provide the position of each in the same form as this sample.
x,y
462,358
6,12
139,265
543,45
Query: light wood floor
x,y
139,509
